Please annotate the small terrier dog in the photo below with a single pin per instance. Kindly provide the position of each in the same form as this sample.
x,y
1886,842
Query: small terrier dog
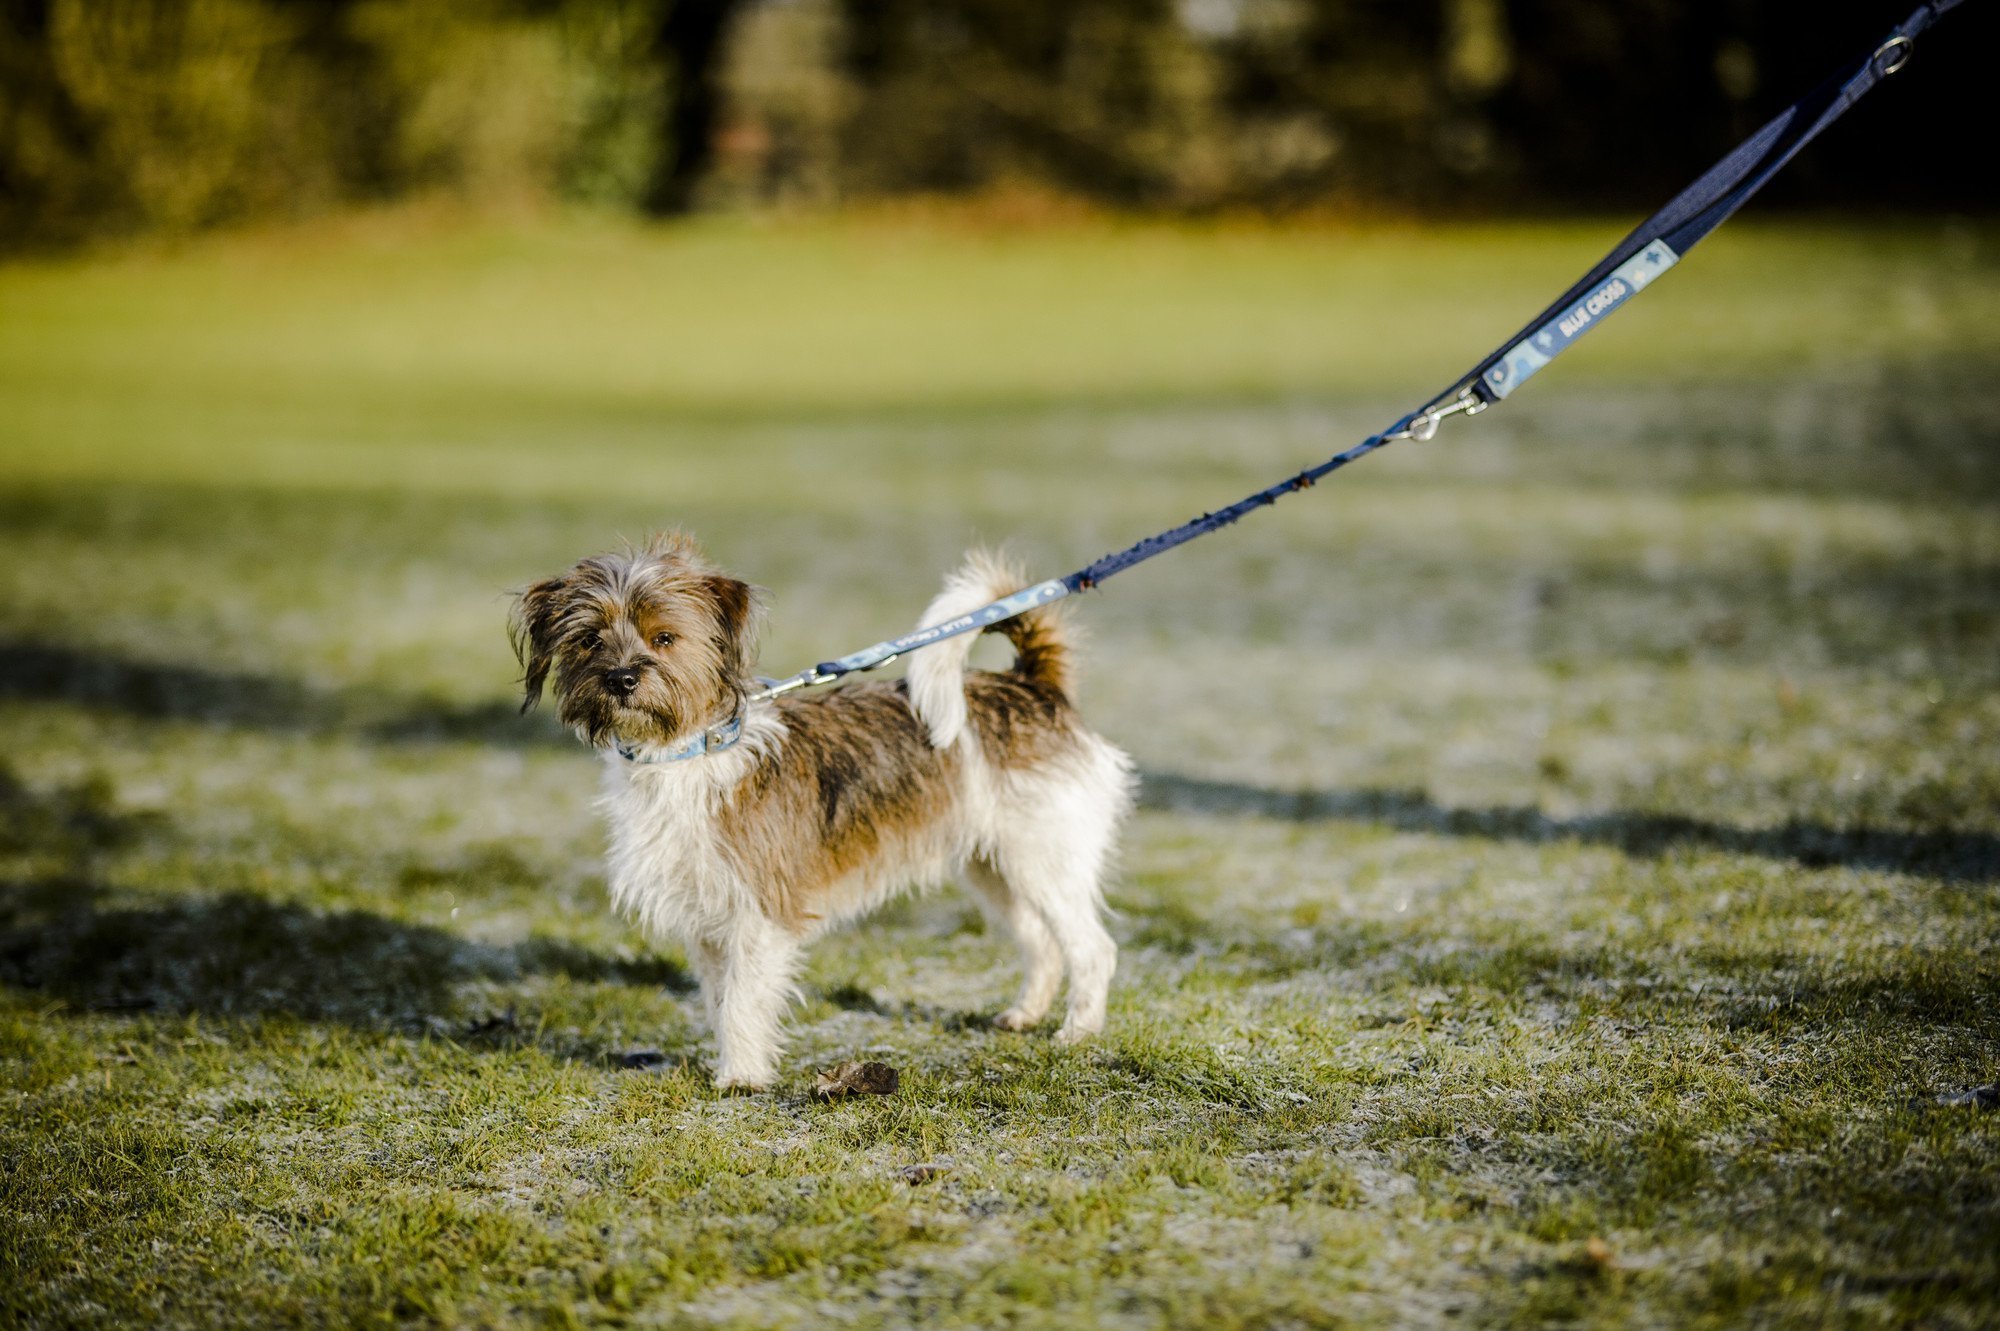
x,y
744,829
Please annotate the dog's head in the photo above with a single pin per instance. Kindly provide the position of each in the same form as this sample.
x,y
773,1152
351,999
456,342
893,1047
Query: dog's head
x,y
646,646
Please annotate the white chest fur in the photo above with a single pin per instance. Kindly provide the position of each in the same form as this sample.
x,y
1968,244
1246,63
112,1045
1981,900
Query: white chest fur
x,y
670,869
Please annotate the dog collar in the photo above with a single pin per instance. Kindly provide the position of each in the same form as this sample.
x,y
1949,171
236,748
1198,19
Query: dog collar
x,y
712,740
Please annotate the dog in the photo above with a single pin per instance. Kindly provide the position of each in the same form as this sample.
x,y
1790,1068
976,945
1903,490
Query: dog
x,y
743,827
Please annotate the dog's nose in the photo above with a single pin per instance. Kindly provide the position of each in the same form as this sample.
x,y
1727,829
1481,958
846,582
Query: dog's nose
x,y
623,680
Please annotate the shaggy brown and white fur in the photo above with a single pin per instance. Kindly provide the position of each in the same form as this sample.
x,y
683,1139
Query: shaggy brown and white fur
x,y
830,803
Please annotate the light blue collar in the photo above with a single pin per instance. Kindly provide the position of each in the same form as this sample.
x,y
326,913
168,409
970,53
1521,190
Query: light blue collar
x,y
712,740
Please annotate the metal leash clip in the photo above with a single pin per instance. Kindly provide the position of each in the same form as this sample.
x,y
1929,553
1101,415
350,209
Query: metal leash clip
x,y
773,687
1424,425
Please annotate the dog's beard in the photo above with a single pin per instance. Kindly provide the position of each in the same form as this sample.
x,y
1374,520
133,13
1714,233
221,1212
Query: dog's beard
x,y
600,717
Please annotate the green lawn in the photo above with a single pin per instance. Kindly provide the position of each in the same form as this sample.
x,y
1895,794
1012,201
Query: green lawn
x,y
1568,864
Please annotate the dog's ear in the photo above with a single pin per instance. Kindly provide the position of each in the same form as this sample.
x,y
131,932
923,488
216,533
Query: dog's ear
x,y
735,616
535,627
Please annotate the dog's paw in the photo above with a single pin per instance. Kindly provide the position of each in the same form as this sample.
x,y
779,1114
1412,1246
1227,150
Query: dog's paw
x,y
1075,1033
1014,1019
743,1083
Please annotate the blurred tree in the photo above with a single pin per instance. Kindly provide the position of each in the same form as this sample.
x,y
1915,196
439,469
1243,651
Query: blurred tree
x,y
688,42
172,114
1372,75
1622,104
1115,99
1433,103
49,181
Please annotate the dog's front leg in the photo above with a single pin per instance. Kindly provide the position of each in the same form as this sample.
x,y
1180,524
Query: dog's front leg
x,y
751,987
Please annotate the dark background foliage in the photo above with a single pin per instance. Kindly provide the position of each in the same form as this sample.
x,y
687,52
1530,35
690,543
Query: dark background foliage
x,y
133,115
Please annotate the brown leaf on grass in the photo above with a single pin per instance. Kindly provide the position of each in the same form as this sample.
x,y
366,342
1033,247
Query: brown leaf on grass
x,y
922,1172
856,1079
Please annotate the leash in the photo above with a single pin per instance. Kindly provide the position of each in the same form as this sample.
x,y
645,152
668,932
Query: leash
x,y
1652,248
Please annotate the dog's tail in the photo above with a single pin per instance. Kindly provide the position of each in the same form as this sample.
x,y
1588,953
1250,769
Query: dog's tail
x,y
937,673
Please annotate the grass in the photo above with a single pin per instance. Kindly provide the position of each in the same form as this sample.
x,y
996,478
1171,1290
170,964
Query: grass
x,y
1568,863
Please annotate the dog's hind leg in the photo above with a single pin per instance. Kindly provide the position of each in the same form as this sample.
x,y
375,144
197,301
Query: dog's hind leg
x,y
1058,883
1088,951
752,987
1041,958
1054,846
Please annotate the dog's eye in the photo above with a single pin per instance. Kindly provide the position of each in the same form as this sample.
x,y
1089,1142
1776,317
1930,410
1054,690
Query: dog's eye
x,y
663,639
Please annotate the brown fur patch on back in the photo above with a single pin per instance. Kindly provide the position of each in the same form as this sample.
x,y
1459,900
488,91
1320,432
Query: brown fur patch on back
x,y
855,778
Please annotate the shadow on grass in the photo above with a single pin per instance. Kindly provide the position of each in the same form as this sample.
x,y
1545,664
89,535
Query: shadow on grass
x,y
61,673
851,997
1972,857
1712,984
58,672
240,955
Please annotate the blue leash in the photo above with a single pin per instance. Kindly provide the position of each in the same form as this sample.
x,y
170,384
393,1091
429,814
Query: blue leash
x,y
1656,245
